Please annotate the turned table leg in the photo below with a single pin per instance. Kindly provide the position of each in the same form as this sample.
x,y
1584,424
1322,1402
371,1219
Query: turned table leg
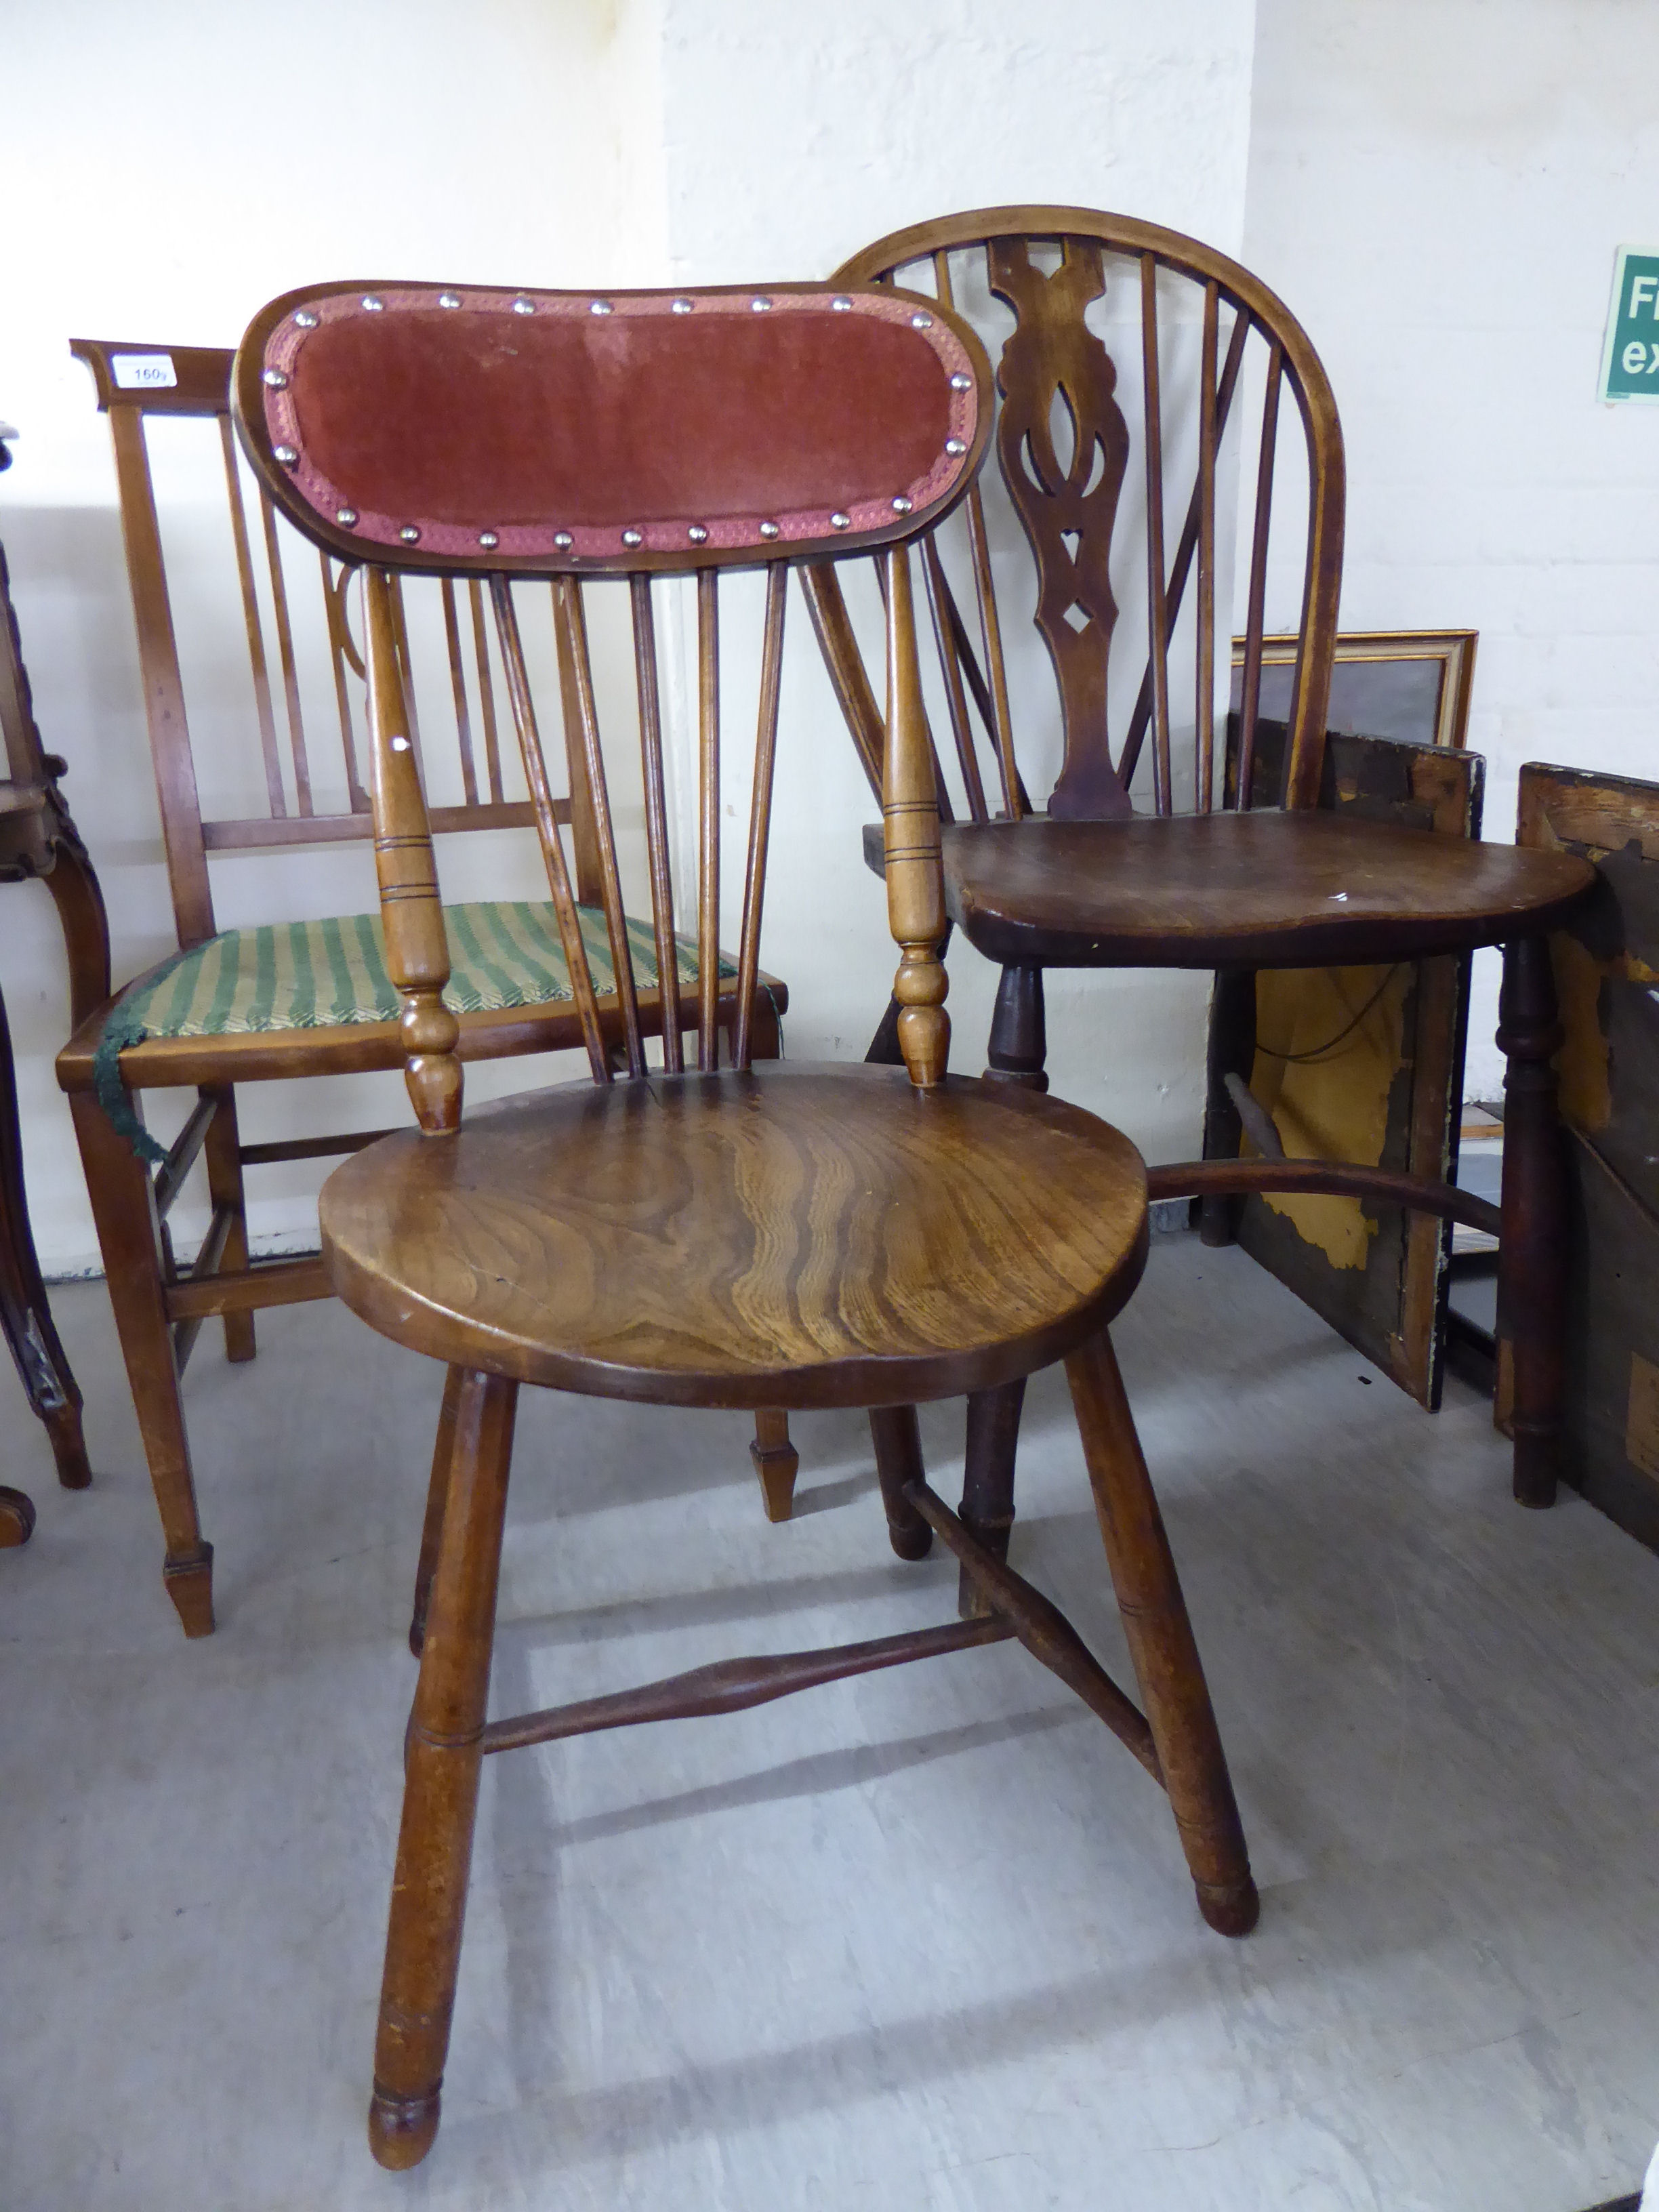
x,y
443,1753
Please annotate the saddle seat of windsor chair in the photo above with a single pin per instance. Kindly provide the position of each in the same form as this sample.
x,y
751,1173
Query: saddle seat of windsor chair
x,y
1264,879
707,1239
744,1237
1297,887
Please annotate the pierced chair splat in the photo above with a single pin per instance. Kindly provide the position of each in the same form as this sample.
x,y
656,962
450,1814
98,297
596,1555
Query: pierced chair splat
x,y
1145,374
742,1234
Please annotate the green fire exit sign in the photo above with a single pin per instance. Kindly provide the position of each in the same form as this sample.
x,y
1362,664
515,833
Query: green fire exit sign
x,y
1630,363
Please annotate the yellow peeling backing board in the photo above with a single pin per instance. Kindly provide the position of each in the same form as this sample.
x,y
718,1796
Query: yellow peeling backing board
x,y
1366,1064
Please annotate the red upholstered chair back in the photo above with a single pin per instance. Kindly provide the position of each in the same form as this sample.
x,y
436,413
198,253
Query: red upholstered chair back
x,y
547,433
503,437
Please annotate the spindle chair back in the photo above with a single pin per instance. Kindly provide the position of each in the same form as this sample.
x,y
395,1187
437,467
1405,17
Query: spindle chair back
x,y
698,452
749,1235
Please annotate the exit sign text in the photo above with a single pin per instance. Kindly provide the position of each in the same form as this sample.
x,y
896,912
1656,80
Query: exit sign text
x,y
1630,361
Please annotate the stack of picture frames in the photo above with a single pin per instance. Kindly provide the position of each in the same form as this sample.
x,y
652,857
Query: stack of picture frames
x,y
1366,1064
1606,976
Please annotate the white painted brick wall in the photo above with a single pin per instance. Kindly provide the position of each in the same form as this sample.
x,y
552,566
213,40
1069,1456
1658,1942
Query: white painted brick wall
x,y
1438,187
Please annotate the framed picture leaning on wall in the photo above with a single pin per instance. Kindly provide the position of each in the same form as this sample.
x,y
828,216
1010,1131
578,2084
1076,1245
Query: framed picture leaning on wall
x,y
1367,1063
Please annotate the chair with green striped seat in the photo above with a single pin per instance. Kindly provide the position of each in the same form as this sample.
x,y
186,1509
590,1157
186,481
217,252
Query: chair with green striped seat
x,y
307,997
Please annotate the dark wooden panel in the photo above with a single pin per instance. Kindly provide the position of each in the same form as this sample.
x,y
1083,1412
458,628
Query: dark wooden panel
x,y
1606,968
1388,1089
1607,961
1610,1432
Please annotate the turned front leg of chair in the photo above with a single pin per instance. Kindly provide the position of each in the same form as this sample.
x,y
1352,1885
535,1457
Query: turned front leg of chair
x,y
1173,1690
896,1436
988,1480
1232,1052
1018,1049
1532,1259
443,1755
130,1239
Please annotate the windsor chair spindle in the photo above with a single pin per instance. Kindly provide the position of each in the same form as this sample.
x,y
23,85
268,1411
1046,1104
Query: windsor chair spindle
x,y
310,999
736,1233
1145,374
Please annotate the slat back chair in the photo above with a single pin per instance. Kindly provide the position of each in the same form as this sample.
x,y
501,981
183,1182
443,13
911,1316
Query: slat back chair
x,y
743,1235
1216,873
137,385
281,743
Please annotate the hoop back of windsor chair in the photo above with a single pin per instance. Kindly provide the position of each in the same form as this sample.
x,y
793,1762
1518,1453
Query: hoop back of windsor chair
x,y
1196,373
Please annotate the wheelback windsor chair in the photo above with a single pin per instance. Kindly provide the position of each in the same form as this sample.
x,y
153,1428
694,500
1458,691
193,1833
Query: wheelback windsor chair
x,y
740,1235
301,999
1221,875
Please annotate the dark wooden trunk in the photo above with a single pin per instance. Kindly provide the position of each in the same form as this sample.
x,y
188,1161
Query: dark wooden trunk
x,y
1607,965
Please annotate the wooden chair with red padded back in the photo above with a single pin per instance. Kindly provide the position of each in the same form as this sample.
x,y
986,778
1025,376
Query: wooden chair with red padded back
x,y
259,762
1207,871
740,1236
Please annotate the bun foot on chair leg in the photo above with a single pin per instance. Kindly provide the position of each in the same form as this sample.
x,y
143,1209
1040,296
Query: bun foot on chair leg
x,y
1231,1908
401,2129
17,1519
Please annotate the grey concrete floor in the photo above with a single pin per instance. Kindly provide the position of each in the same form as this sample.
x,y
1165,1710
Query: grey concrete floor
x,y
921,1941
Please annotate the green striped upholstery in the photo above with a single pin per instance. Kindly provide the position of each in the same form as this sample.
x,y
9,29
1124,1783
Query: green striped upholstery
x,y
314,975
